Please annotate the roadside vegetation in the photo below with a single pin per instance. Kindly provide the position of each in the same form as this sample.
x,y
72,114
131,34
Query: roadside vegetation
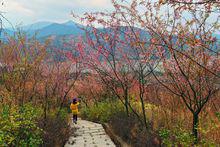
x,y
152,74
34,86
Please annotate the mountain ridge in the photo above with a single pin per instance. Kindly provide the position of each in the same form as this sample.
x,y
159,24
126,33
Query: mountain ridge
x,y
45,29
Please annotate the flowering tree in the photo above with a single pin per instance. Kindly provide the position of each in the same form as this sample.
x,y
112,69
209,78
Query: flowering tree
x,y
195,86
21,61
192,65
119,53
192,2
90,89
60,73
31,72
106,57
179,36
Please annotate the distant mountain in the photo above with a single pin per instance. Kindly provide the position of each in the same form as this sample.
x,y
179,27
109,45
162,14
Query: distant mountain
x,y
66,32
46,29
70,23
68,28
36,26
7,31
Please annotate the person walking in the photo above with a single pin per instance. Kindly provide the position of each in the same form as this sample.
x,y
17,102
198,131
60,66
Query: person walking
x,y
74,108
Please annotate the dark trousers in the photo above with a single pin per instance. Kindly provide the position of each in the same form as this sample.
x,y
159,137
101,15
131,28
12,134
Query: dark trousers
x,y
74,117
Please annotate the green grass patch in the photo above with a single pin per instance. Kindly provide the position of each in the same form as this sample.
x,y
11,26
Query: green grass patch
x,y
101,112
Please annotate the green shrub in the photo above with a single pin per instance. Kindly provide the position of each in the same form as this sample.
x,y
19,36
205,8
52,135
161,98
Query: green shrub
x,y
132,131
165,135
218,115
102,112
64,113
181,137
176,137
18,126
56,129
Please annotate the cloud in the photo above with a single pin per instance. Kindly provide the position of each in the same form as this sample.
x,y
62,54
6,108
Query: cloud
x,y
18,8
93,3
29,11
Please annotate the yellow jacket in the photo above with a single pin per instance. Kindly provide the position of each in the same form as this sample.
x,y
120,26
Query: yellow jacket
x,y
74,108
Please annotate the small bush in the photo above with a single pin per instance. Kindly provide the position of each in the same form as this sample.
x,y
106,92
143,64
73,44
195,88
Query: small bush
x,y
176,137
25,126
18,126
56,129
102,112
218,115
132,131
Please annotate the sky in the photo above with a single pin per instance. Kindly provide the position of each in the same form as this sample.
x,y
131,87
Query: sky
x,y
23,12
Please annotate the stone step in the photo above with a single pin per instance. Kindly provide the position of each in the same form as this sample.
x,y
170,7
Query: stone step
x,y
89,134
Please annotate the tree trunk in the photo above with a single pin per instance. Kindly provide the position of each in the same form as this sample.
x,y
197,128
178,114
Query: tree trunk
x,y
195,127
126,101
45,105
144,113
141,94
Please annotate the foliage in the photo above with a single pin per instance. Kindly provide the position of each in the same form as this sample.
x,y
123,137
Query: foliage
x,y
56,128
25,126
185,47
181,137
30,72
102,112
132,131
18,126
176,137
129,128
218,115
121,62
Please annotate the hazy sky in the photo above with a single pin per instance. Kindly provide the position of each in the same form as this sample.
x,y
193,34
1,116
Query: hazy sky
x,y
29,11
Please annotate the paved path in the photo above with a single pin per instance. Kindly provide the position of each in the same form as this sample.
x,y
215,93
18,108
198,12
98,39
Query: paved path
x,y
89,134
